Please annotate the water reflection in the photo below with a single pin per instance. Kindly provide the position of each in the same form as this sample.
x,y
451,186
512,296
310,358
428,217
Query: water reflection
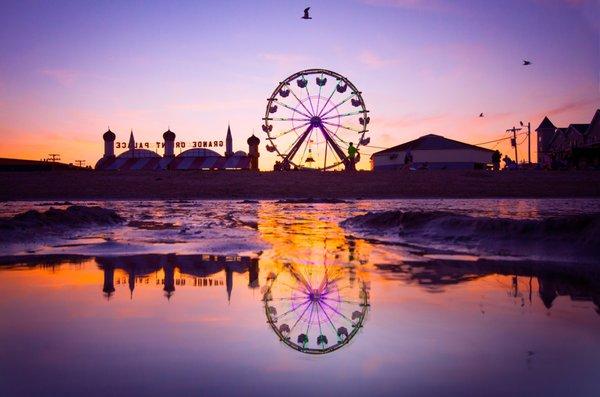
x,y
73,325
191,270
315,310
435,275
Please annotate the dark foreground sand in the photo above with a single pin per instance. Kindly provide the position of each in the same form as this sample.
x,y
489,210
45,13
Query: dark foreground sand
x,y
72,185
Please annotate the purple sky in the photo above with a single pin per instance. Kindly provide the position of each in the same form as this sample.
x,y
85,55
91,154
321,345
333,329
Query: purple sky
x,y
70,69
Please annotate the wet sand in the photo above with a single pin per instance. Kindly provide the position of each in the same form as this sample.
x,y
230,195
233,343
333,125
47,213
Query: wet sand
x,y
72,185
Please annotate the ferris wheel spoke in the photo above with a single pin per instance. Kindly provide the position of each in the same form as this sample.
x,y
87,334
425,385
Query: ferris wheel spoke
x,y
279,135
299,277
291,108
299,318
343,115
306,292
285,119
289,299
319,96
343,126
291,310
335,310
328,318
312,309
300,102
328,98
337,106
308,96
309,99
318,319
335,135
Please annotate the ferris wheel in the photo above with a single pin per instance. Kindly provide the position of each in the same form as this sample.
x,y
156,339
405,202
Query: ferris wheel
x,y
312,117
315,311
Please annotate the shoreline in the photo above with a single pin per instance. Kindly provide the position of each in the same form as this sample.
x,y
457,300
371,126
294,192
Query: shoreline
x,y
240,185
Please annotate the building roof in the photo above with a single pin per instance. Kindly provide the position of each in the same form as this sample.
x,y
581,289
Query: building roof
x,y
560,133
432,142
546,124
198,152
581,128
138,153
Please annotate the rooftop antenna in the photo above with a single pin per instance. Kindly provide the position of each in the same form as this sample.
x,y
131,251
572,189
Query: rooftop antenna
x,y
80,163
54,157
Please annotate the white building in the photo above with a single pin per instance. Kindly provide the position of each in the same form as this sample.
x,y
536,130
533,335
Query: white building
x,y
432,152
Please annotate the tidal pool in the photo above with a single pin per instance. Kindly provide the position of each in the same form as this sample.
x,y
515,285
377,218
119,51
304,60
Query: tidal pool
x,y
265,298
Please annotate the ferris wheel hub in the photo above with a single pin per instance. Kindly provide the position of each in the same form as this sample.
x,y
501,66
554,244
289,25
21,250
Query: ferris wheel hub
x,y
315,296
316,122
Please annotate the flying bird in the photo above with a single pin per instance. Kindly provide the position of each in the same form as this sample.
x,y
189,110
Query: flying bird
x,y
306,16
526,62
521,123
480,114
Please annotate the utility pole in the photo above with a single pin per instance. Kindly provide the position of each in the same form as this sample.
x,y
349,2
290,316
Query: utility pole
x,y
529,142
54,157
80,163
513,142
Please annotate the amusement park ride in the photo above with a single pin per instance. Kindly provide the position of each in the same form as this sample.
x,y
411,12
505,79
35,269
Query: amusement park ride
x,y
312,117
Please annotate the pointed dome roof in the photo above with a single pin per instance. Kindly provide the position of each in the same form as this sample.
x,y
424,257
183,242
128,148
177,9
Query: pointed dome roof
x,y
253,140
546,124
109,135
169,135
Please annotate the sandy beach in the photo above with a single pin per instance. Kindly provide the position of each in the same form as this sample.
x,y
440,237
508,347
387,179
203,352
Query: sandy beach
x,y
72,185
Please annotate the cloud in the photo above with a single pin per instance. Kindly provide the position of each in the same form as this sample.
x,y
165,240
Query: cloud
x,y
409,120
570,106
374,61
214,106
64,77
283,59
424,5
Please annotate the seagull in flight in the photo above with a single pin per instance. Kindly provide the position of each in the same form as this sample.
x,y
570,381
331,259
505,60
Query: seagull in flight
x,y
306,16
480,114
526,62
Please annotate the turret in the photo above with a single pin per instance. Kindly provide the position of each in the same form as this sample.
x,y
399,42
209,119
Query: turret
x,y
169,137
228,143
109,143
253,143
545,132
109,281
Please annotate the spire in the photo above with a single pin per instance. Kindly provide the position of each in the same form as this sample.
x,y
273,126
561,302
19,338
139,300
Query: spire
x,y
131,144
228,142
131,283
229,282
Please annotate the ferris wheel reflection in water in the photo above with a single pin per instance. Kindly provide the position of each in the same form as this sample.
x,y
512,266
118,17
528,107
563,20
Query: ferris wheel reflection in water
x,y
315,309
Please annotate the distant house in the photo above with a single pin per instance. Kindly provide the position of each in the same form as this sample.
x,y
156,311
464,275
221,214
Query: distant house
x,y
433,152
577,145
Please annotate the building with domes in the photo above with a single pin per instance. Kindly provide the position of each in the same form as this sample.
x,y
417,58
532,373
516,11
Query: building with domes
x,y
197,155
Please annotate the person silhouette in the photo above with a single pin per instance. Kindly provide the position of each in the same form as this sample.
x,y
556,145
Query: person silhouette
x,y
352,150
